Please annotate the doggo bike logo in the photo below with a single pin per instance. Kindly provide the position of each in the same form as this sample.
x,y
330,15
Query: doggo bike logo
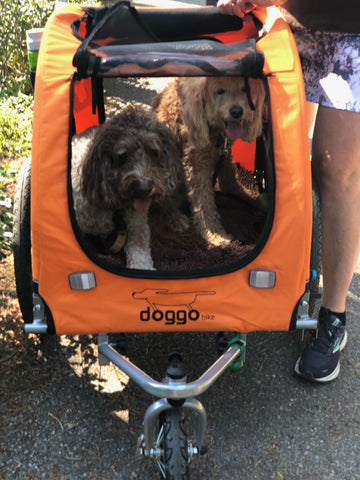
x,y
173,308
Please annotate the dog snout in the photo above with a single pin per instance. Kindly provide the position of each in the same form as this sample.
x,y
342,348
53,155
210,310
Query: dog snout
x,y
142,188
236,111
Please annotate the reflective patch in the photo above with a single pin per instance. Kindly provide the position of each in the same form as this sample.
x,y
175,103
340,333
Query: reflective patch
x,y
262,278
82,281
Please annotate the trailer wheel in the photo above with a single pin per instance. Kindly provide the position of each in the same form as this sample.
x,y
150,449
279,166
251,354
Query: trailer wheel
x,y
22,242
174,445
315,256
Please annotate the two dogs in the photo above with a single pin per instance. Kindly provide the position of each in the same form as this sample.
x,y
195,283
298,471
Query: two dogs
x,y
136,164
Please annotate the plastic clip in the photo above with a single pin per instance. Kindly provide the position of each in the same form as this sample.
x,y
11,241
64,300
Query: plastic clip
x,y
237,365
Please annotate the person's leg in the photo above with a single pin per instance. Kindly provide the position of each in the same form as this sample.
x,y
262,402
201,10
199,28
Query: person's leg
x,y
336,168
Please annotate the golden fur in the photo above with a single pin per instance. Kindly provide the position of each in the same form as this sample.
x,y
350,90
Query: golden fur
x,y
206,114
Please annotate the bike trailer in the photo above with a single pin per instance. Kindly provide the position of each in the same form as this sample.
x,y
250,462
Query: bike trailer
x,y
69,289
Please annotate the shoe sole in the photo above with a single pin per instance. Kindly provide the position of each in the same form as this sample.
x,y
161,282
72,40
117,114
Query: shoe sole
x,y
334,374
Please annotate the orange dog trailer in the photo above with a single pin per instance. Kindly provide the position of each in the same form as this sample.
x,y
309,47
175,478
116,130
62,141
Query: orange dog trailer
x,y
261,291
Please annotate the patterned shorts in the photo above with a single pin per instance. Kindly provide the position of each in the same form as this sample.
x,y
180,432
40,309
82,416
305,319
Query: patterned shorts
x,y
331,67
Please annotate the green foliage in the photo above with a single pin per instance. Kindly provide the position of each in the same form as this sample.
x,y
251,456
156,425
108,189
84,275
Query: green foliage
x,y
17,16
7,177
16,125
15,141
16,99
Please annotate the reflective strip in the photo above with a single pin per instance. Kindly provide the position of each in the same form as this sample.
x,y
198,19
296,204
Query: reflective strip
x,y
262,278
82,280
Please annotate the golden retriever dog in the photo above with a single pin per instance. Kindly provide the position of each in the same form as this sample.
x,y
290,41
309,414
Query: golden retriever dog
x,y
206,115
123,172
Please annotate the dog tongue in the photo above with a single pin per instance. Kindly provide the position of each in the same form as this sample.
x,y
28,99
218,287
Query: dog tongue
x,y
142,205
234,130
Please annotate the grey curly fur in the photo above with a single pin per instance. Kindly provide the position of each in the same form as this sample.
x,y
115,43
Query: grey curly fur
x,y
128,163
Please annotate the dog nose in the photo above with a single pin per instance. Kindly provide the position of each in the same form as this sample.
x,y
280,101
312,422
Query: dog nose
x,y
142,188
236,111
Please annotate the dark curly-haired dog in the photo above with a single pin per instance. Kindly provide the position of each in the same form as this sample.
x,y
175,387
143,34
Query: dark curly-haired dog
x,y
128,167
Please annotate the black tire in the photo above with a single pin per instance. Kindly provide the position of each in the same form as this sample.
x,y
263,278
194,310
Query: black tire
x,y
315,256
22,242
175,456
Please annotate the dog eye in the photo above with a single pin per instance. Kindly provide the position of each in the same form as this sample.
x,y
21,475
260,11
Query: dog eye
x,y
220,91
154,152
118,160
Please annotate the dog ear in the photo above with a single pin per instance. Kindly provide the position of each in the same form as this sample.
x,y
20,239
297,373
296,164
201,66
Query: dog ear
x,y
257,92
194,95
94,184
173,166
154,141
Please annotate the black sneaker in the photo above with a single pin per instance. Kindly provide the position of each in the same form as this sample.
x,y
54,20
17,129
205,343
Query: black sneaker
x,y
320,359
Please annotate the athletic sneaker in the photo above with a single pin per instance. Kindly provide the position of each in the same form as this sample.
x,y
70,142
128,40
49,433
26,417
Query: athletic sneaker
x,y
320,359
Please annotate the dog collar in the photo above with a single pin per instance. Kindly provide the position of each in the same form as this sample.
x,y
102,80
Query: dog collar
x,y
121,234
119,242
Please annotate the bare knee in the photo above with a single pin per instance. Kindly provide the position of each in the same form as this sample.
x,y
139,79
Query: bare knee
x,y
336,175
336,152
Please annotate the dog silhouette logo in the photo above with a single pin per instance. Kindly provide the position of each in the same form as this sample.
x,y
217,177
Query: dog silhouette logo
x,y
164,298
159,299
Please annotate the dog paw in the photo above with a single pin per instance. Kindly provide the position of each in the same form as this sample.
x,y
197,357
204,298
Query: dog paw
x,y
219,240
182,223
141,266
139,260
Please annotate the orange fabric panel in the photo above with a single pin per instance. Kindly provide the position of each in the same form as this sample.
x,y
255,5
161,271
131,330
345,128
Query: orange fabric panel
x,y
50,137
120,304
84,116
244,154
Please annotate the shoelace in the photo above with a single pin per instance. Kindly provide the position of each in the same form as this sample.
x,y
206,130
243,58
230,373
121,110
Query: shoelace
x,y
327,335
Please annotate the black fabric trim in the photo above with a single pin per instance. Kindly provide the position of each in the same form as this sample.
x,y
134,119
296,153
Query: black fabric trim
x,y
175,275
248,94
